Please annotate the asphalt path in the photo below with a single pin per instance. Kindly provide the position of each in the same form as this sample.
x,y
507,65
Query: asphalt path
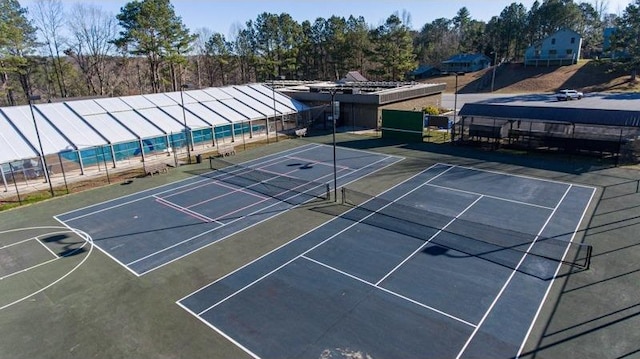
x,y
592,100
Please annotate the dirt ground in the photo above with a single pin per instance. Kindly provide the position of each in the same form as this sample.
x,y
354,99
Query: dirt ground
x,y
586,76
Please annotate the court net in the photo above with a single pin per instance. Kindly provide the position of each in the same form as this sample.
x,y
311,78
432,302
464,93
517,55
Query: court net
x,y
445,232
284,188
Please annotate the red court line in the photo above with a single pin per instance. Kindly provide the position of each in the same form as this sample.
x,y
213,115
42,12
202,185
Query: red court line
x,y
183,210
235,190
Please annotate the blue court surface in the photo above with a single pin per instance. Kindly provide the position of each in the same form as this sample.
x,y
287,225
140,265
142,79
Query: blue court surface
x,y
152,228
452,263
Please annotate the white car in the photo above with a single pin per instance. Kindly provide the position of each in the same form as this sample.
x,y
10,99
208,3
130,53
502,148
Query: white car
x,y
568,95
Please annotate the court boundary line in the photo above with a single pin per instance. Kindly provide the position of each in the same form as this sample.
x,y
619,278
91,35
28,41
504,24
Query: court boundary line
x,y
219,331
428,241
289,242
544,298
490,196
527,176
397,159
45,247
511,276
80,234
235,220
571,185
184,210
301,149
353,224
374,285
274,158
42,244
224,185
16,243
330,165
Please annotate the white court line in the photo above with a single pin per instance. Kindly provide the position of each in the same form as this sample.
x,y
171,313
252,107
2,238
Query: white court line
x,y
184,210
304,253
233,190
392,292
104,251
16,243
226,224
427,241
544,298
81,234
489,196
513,273
320,163
525,176
223,334
293,240
222,224
45,247
30,268
158,193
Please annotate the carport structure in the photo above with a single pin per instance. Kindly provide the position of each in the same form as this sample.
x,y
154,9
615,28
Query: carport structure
x,y
605,132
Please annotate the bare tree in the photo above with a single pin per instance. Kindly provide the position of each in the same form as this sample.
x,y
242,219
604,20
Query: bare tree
x,y
49,18
92,30
200,54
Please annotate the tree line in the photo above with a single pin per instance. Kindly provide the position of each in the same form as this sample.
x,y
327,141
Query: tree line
x,y
81,51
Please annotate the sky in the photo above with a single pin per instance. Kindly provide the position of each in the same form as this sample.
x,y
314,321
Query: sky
x,y
224,16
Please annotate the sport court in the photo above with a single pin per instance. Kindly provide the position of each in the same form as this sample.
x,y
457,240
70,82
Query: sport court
x,y
452,263
152,228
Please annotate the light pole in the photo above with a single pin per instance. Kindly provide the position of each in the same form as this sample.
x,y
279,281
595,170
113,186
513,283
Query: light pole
x,y
186,128
275,121
493,77
335,166
455,98
45,168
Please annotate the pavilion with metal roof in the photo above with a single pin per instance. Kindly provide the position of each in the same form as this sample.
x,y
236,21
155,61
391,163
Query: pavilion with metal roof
x,y
605,131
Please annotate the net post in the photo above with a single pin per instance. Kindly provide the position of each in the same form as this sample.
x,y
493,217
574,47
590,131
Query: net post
x,y
210,162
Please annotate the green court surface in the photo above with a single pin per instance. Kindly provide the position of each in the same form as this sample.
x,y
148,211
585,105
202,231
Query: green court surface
x,y
61,298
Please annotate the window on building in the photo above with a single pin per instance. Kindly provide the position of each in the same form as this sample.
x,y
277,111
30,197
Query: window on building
x,y
553,41
573,40
569,51
553,52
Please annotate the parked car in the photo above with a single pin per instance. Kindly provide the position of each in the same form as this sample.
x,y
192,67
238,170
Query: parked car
x,y
568,95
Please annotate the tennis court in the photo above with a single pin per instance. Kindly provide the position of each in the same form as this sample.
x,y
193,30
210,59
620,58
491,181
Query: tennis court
x,y
454,262
152,228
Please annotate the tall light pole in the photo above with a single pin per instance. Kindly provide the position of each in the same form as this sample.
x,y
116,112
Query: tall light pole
x,y
45,168
455,98
335,166
275,121
187,132
493,77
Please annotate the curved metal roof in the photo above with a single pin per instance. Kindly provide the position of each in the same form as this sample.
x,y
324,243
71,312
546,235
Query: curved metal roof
x,y
86,123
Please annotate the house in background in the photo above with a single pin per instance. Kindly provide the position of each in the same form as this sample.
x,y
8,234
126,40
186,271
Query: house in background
x,y
423,72
607,50
465,63
353,76
560,48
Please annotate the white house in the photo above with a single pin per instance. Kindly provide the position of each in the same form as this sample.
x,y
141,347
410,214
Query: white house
x,y
560,48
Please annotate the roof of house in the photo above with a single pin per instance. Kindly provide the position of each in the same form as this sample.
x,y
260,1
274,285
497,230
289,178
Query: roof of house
x,y
423,69
354,76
